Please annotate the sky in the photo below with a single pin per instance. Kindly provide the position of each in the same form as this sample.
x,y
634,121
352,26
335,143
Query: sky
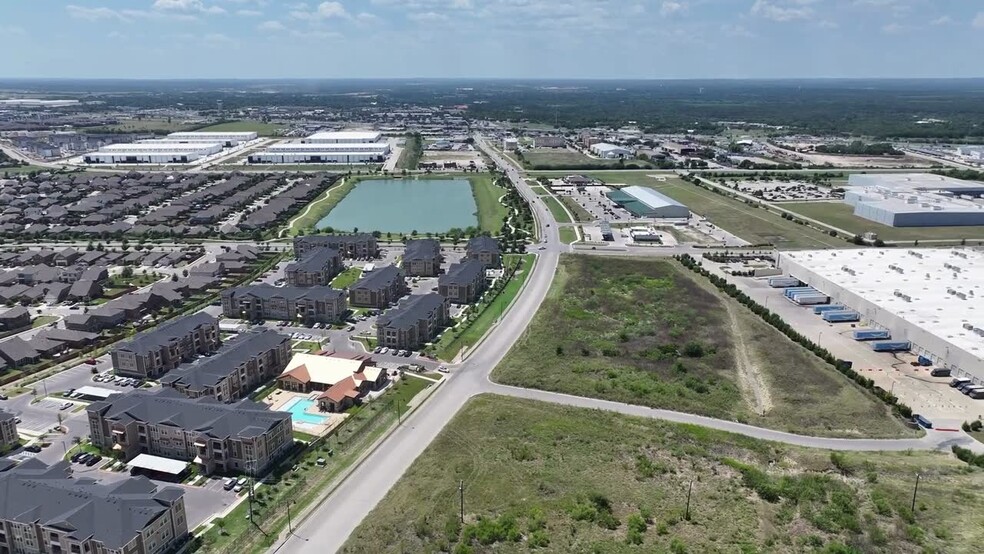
x,y
596,39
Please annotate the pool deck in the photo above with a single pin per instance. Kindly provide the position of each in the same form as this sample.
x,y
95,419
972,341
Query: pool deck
x,y
281,398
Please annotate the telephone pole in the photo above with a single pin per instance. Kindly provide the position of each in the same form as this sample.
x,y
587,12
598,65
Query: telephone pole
x,y
914,491
461,499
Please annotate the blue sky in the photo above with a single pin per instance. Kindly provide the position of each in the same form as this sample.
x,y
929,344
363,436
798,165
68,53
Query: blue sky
x,y
492,38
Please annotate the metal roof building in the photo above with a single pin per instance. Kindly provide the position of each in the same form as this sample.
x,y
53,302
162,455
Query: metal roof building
x,y
646,202
931,297
332,137
915,199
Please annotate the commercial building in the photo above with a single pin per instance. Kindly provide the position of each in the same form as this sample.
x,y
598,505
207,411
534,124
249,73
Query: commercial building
x,y
610,151
45,509
8,431
378,289
485,250
422,258
344,137
223,138
297,305
413,323
549,142
154,353
915,199
338,153
930,297
227,438
242,364
464,282
318,267
153,152
509,144
358,245
646,202
341,381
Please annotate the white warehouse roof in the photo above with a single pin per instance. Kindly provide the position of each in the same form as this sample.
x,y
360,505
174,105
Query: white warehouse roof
x,y
650,197
346,136
213,134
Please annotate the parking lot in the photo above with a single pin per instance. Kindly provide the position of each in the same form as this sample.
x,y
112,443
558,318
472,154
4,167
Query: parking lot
x,y
593,200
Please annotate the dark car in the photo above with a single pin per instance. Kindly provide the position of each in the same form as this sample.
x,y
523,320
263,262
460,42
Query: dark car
x,y
93,460
84,458
3,396
75,457
33,448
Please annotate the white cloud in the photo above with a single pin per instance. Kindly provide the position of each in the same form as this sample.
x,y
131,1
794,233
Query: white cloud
x,y
734,30
188,6
427,17
783,10
978,22
218,39
328,10
93,14
249,13
670,8
942,20
271,27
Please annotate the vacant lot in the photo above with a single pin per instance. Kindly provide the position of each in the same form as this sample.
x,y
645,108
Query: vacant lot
x,y
258,127
557,209
558,158
567,235
645,332
491,212
548,478
842,216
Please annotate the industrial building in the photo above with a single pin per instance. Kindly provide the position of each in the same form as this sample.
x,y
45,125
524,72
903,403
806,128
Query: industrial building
x,y
933,298
153,152
646,202
226,139
915,199
329,152
344,137
610,151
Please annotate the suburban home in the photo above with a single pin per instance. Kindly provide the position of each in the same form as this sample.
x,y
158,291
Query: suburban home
x,y
318,267
237,368
240,437
379,289
214,269
341,381
66,257
422,258
48,509
359,245
464,283
17,352
15,318
301,305
72,339
485,250
84,290
413,323
154,353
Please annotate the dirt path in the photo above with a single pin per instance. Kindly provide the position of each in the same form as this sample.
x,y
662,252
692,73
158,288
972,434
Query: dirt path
x,y
749,377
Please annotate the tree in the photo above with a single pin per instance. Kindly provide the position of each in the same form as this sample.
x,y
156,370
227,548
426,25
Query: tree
x,y
127,272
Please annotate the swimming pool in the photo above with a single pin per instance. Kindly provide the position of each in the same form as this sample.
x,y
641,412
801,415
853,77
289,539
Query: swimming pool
x,y
297,408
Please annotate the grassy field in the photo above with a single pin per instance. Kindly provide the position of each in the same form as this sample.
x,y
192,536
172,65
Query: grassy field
x,y
567,235
540,191
557,209
143,126
842,216
43,320
319,208
546,478
258,127
559,158
413,150
346,278
491,212
580,214
5,172
453,341
645,332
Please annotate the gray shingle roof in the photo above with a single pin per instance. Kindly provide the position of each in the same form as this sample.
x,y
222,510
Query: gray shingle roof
x,y
314,261
163,335
483,244
412,310
380,278
291,294
462,273
112,513
208,372
422,249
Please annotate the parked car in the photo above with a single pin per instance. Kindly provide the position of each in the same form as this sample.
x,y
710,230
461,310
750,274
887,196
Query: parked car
x,y
66,406
376,350
237,489
75,457
443,369
229,483
84,458
93,460
91,361
33,448
4,396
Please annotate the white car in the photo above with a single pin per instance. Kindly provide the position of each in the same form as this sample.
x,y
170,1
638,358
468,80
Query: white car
x,y
444,369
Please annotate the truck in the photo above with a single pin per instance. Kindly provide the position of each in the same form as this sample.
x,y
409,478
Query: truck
x,y
811,299
783,282
922,421
788,293
891,346
959,381
940,372
841,316
924,361
829,308
872,334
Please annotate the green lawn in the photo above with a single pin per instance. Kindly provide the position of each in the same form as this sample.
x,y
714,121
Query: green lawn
x,y
580,214
558,158
143,125
491,212
545,478
346,278
259,127
540,191
22,169
842,216
137,279
310,346
646,332
556,209
324,203
454,340
567,235
43,320
413,150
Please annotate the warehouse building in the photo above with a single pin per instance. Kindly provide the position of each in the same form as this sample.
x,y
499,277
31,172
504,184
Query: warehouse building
x,y
933,298
915,199
610,151
226,139
646,202
344,137
338,153
153,152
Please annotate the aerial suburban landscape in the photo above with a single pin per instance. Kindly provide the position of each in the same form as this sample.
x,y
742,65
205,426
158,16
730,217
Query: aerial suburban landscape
x,y
253,300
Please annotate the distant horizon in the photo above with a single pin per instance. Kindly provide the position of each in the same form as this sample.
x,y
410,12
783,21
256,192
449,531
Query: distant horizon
x,y
4,79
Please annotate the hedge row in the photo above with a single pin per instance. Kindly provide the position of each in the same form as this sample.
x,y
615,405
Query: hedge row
x,y
776,321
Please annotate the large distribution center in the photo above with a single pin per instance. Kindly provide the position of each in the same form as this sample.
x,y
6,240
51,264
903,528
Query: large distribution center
x,y
341,147
915,199
933,298
646,202
344,137
226,139
153,152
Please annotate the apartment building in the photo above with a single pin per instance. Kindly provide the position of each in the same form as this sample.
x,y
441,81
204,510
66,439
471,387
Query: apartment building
x,y
8,431
358,245
242,364
485,250
154,353
379,289
45,509
464,282
298,305
422,258
414,322
240,437
318,267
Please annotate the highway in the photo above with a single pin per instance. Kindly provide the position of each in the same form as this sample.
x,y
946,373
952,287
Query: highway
x,y
327,526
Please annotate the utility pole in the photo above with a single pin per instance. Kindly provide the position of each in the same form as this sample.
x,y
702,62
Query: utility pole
x,y
290,529
914,491
461,499
689,491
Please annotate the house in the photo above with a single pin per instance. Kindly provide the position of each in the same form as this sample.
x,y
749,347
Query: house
x,y
95,273
103,317
342,381
154,353
464,282
17,352
485,250
237,368
318,267
66,257
413,322
359,245
238,437
71,339
56,293
91,257
47,509
84,290
214,269
301,305
8,433
46,348
379,289
422,258
15,318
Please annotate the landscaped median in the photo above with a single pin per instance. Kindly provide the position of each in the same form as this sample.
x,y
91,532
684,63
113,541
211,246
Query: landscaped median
x,y
299,488
468,333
